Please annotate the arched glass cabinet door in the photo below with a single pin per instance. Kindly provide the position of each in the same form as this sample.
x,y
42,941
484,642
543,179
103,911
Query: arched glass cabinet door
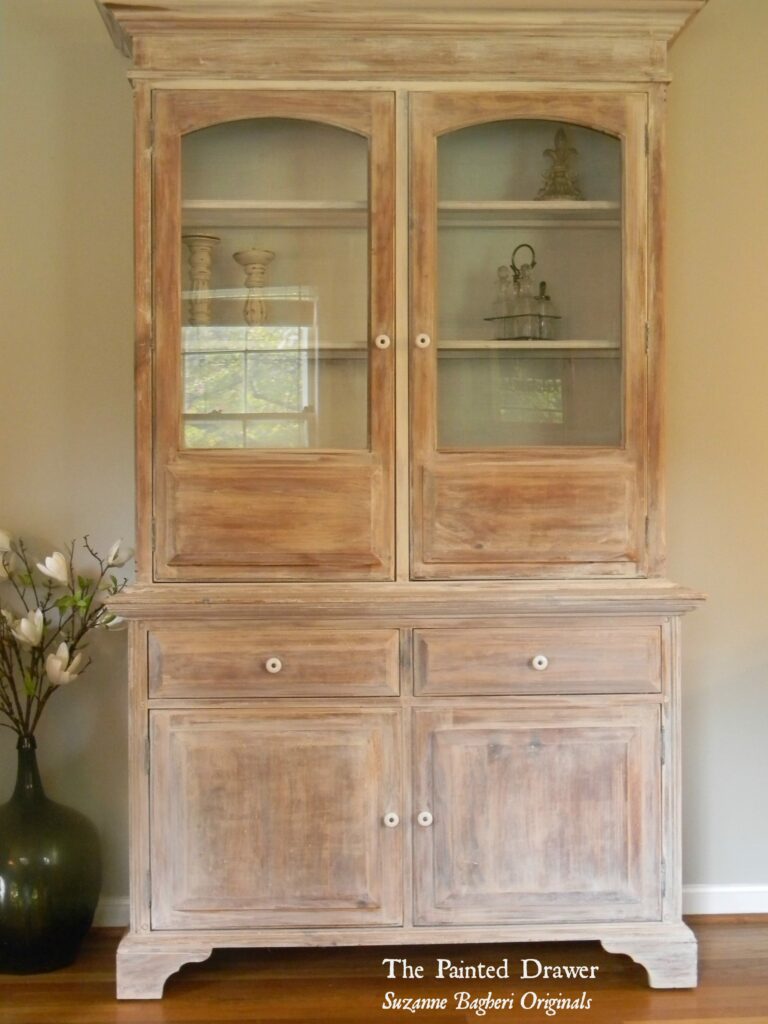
x,y
274,313
528,348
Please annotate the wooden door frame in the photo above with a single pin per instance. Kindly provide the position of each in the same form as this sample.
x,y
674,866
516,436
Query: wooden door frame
x,y
176,112
624,469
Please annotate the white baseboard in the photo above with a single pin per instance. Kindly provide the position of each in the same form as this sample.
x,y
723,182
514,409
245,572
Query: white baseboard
x,y
725,899
112,911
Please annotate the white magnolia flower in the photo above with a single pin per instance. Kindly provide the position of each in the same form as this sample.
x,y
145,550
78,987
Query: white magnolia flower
x,y
118,555
29,629
8,616
5,541
60,669
7,563
56,567
113,621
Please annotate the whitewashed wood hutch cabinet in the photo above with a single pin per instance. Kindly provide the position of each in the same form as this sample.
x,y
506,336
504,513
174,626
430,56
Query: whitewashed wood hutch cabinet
x,y
405,667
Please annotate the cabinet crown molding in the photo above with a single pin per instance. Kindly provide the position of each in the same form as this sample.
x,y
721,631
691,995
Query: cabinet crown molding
x,y
588,40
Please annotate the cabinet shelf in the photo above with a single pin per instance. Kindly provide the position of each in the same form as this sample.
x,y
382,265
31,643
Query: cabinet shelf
x,y
277,213
559,213
532,346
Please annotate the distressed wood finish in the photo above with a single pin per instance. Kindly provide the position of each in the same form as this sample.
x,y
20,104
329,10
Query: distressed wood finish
x,y
223,661
514,39
581,657
576,840
281,821
260,514
401,593
527,511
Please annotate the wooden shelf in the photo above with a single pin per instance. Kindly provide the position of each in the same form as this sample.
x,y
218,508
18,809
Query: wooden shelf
x,y
526,344
571,213
318,213
252,213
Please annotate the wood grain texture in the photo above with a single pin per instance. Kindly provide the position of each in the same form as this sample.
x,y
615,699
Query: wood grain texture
x,y
575,841
348,985
259,514
527,511
582,657
256,814
225,661
270,817
416,601
621,39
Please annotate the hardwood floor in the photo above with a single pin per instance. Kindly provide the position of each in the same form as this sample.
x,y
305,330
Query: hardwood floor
x,y
349,985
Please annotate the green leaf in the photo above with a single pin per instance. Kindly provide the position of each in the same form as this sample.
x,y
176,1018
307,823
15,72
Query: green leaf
x,y
83,583
65,602
30,685
26,578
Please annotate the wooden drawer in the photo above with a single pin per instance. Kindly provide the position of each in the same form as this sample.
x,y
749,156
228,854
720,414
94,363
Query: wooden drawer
x,y
584,658
242,661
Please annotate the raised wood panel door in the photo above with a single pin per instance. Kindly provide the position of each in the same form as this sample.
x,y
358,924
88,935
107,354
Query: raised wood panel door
x,y
273,271
537,815
529,432
273,818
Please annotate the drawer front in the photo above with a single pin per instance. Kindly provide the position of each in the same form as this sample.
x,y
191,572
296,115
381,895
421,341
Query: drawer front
x,y
226,661
584,658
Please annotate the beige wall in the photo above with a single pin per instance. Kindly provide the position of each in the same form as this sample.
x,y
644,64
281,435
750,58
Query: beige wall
x,y
66,416
718,429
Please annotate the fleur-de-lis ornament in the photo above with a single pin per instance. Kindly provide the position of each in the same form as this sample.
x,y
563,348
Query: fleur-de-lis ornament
x,y
560,181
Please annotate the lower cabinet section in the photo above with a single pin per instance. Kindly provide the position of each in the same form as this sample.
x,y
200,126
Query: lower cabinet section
x,y
538,815
264,818
270,818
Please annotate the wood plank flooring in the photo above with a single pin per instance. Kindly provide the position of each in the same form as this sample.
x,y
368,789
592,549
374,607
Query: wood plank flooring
x,y
348,986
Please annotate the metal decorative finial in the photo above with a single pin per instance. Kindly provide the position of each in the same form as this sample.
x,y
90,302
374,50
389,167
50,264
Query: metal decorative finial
x,y
560,181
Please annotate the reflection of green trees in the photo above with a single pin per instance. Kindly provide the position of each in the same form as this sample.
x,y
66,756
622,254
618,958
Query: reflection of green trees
x,y
531,394
243,382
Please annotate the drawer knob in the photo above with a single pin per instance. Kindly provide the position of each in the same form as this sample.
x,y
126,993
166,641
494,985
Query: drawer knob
x,y
422,341
382,341
391,820
273,665
539,662
425,819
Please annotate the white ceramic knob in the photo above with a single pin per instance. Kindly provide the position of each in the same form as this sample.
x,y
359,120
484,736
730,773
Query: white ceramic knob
x,y
382,341
424,819
422,340
391,820
273,665
539,662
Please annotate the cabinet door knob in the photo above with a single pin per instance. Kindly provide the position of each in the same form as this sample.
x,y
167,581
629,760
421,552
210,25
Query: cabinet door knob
x,y
382,341
391,820
423,341
425,819
273,665
539,662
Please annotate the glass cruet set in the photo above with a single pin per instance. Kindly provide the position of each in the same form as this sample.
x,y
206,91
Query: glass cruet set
x,y
519,310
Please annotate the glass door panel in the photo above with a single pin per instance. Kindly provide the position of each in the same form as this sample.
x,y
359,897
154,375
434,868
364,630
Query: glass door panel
x,y
529,252
275,313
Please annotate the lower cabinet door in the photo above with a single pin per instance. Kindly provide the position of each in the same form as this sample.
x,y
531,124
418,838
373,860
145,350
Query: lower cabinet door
x,y
524,814
263,818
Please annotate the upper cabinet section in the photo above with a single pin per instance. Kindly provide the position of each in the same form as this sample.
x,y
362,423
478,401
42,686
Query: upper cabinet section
x,y
274,312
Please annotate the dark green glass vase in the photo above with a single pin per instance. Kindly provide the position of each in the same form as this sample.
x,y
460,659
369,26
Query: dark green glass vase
x,y
50,875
